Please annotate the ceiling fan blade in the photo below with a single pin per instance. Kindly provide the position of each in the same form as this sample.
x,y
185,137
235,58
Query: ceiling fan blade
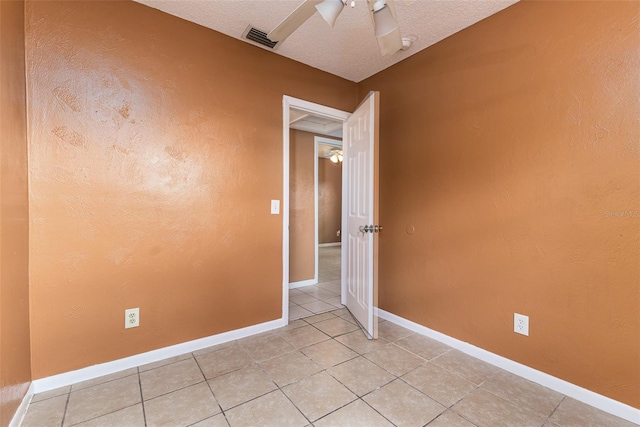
x,y
294,20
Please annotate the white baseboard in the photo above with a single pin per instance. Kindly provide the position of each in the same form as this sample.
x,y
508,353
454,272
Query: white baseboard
x,y
596,400
88,373
18,417
326,245
303,283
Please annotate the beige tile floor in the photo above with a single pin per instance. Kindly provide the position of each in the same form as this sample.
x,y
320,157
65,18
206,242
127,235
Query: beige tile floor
x,y
323,297
318,371
329,263
316,299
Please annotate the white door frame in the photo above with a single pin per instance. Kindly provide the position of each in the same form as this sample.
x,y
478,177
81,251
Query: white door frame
x,y
289,102
317,140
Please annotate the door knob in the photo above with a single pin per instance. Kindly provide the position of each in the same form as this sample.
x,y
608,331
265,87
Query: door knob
x,y
377,228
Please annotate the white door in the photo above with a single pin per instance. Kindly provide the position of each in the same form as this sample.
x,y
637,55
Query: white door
x,y
359,243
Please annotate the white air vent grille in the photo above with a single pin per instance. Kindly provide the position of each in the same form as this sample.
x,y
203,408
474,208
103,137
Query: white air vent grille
x,y
259,37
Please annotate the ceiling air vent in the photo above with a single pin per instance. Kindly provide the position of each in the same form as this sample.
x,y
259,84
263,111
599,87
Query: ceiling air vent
x,y
259,37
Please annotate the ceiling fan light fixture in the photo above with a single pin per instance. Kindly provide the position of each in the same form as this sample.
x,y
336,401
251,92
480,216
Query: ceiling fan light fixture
x,y
378,4
390,43
330,10
383,20
336,156
385,28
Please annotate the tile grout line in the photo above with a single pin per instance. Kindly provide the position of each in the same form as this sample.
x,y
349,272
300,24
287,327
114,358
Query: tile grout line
x,y
289,399
556,408
322,370
278,388
454,403
71,391
477,386
457,374
326,370
48,398
144,412
105,414
211,390
405,382
64,416
345,386
380,413
463,417
177,389
340,407
162,366
520,406
66,405
396,377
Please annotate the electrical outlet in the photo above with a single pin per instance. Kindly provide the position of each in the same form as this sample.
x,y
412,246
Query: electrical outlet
x,y
131,318
521,324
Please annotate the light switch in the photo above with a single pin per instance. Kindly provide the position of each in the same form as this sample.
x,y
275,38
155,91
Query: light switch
x,y
275,207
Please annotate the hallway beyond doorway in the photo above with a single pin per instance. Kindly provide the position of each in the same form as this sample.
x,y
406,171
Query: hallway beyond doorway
x,y
323,297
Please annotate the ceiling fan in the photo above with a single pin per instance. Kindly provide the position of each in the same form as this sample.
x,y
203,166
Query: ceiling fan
x,y
382,13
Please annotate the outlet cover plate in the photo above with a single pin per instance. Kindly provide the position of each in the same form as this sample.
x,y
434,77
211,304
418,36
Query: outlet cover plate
x,y
131,318
521,324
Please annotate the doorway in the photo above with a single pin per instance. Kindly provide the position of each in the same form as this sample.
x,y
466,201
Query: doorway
x,y
311,283
323,292
360,214
315,214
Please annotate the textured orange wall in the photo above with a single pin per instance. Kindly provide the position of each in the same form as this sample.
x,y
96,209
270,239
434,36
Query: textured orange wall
x,y
329,200
155,149
15,369
302,245
513,149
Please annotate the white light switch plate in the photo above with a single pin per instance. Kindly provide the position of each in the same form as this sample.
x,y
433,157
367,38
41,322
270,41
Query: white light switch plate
x,y
275,207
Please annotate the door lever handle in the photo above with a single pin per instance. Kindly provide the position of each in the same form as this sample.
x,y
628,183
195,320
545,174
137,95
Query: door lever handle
x,y
366,228
370,228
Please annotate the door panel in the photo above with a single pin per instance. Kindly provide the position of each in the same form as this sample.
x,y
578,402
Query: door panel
x,y
359,257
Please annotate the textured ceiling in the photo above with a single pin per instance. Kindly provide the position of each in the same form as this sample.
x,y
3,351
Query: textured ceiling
x,y
348,50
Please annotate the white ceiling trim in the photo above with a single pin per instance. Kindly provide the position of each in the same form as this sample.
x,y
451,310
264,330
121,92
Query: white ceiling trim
x,y
330,129
302,120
